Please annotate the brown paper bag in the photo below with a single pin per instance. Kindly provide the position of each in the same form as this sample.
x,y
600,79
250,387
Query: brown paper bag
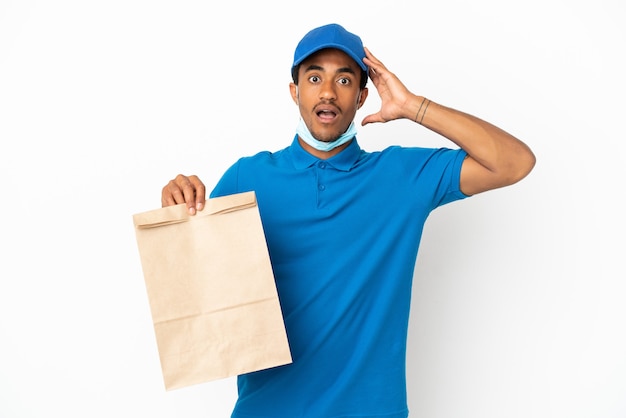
x,y
211,290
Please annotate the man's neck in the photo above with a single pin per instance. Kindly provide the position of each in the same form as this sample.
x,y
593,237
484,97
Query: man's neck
x,y
322,155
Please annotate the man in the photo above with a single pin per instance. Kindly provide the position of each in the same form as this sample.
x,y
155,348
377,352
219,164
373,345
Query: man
x,y
343,228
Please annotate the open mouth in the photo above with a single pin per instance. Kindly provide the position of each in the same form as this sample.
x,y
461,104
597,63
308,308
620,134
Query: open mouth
x,y
326,114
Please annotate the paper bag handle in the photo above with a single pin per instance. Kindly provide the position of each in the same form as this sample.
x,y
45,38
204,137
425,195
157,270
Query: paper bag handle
x,y
178,213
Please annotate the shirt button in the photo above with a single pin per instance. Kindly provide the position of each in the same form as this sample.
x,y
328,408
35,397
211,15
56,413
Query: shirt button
x,y
321,187
321,164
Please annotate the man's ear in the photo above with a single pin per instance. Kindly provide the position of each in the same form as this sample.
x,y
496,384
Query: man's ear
x,y
293,89
362,96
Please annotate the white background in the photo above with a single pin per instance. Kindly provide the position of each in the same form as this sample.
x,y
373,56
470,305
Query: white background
x,y
519,298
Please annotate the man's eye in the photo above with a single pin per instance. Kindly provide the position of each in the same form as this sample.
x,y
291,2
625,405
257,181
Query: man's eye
x,y
314,79
344,81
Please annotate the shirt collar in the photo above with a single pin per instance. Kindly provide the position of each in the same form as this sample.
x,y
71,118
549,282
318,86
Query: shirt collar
x,y
343,161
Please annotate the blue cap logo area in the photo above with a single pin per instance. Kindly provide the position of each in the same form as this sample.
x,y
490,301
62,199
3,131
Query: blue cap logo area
x,y
330,36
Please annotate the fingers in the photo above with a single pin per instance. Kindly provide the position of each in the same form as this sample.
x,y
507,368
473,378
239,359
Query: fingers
x,y
374,63
183,189
373,118
195,189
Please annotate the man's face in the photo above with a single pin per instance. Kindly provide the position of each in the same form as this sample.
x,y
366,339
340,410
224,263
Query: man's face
x,y
328,93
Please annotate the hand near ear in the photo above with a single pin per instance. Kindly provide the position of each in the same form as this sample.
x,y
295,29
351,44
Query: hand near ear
x,y
393,94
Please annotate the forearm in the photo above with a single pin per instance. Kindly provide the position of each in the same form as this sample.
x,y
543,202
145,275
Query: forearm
x,y
506,158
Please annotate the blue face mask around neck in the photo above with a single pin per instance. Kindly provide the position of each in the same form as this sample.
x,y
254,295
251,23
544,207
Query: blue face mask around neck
x,y
304,134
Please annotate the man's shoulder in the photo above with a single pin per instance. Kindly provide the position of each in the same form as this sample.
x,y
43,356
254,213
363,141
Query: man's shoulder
x,y
265,155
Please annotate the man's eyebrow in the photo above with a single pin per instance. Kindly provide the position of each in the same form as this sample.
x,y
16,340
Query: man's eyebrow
x,y
315,67
346,70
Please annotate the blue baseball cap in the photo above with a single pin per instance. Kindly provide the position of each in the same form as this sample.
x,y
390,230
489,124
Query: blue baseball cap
x,y
330,36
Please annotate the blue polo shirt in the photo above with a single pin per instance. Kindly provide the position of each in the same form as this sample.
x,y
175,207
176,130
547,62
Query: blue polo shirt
x,y
343,236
